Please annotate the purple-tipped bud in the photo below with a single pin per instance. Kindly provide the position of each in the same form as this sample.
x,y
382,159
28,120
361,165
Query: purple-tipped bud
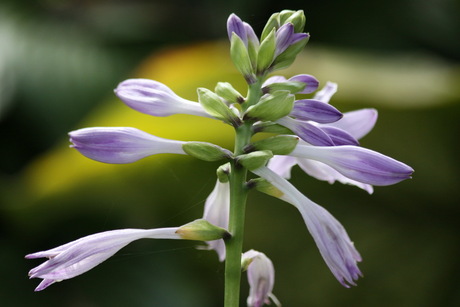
x,y
306,131
237,26
311,83
120,145
285,37
154,98
315,110
357,163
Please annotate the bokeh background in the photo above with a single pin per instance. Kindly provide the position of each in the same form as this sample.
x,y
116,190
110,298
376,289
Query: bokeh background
x,y
59,63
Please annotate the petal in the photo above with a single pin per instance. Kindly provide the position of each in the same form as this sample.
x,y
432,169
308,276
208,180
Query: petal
x,y
120,144
282,165
154,98
310,81
357,163
331,238
315,110
274,79
306,131
326,93
284,37
261,278
340,137
216,211
357,123
324,172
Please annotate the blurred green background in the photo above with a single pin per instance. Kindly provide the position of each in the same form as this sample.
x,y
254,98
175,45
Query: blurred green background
x,y
59,63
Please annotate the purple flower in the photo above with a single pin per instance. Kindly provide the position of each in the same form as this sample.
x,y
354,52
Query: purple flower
x,y
329,235
154,98
120,144
216,211
261,278
79,256
357,163
242,29
315,110
307,131
310,81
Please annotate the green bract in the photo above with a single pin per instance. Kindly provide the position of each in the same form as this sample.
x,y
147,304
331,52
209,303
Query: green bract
x,y
255,159
212,103
278,145
271,107
206,151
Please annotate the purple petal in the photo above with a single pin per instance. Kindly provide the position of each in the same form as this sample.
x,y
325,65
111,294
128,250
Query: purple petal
x,y
236,25
326,173
310,81
252,37
284,38
340,137
120,145
306,131
326,93
154,98
357,163
261,278
282,165
331,238
315,110
216,211
274,79
357,123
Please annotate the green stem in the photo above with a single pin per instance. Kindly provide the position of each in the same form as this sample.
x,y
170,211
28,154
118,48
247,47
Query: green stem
x,y
238,195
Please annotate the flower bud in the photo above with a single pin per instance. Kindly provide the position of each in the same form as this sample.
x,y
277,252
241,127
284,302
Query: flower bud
x,y
297,19
278,145
271,107
240,57
202,230
206,151
255,159
222,172
226,91
212,103
266,53
286,58
272,23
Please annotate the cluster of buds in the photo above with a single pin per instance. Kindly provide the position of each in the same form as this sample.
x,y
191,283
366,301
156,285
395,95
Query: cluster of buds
x,y
308,132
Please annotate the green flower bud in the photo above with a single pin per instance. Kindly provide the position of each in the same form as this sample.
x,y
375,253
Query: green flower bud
x,y
298,20
284,15
226,91
286,58
278,145
223,171
266,53
240,57
291,86
271,107
254,159
206,151
266,187
212,103
272,23
202,230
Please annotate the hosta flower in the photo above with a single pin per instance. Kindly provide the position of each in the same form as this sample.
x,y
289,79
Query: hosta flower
x,y
216,211
286,37
79,256
331,238
121,144
154,98
261,278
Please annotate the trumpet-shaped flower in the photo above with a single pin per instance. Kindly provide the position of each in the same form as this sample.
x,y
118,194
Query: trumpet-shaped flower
x,y
331,238
79,256
121,144
216,211
261,278
154,98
